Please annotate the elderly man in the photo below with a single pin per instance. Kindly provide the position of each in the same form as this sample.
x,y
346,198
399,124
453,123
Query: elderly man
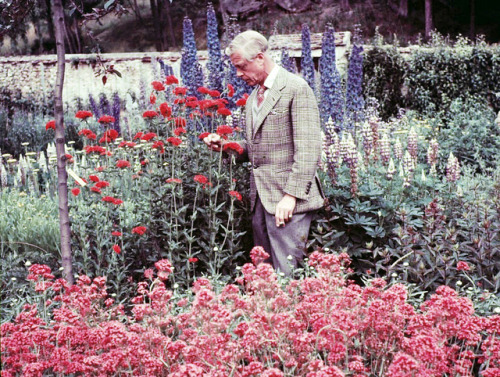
x,y
283,145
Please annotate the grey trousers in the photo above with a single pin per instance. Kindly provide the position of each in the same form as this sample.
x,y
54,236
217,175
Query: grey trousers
x,y
281,242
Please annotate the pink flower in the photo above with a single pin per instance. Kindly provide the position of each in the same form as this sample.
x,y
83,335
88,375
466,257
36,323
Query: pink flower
x,y
463,266
200,178
258,255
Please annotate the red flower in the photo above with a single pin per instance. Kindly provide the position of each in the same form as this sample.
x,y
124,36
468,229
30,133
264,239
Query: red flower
x,y
138,135
108,199
180,91
224,111
193,260
171,80
75,191
191,103
233,146
51,124
230,90
102,184
94,178
203,90
95,189
158,145
174,180
69,158
140,230
82,114
214,93
117,202
236,195
88,134
158,86
148,136
174,141
117,249
224,130
152,99
462,266
203,135
201,179
149,114
100,168
241,102
116,233
165,110
180,121
106,119
122,164
97,149
179,101
109,136
179,130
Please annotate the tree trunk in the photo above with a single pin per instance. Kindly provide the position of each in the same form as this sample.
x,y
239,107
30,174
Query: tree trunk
x,y
170,24
428,18
154,13
62,176
472,31
403,8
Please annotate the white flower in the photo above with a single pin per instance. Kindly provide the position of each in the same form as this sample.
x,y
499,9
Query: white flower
x,y
27,263
176,286
394,275
497,310
289,257
459,282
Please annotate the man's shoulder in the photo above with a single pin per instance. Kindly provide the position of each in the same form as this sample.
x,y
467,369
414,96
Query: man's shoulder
x,y
294,80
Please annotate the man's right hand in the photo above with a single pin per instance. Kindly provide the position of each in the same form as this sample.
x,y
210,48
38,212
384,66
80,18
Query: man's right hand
x,y
214,142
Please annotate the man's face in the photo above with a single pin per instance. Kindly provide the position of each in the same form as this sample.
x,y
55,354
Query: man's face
x,y
252,72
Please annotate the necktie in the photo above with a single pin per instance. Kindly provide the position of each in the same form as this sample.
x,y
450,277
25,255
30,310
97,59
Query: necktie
x,y
260,95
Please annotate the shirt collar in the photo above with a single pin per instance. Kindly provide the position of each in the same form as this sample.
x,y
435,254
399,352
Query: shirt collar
x,y
268,83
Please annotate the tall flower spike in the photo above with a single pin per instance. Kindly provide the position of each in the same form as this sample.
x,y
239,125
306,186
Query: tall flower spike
x,y
374,123
214,65
412,144
398,149
385,149
366,132
306,63
432,155
288,62
452,169
331,98
190,67
3,175
355,103
409,168
391,169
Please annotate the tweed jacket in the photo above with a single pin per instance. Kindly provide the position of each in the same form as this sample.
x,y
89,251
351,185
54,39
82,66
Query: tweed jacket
x,y
283,145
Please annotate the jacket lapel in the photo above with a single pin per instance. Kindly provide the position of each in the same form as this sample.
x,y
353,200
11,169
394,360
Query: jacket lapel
x,y
271,99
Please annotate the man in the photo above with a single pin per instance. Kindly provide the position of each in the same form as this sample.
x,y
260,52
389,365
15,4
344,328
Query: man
x,y
283,144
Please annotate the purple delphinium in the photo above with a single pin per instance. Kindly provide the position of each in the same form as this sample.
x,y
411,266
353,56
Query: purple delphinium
x,y
166,68
331,96
190,67
104,106
214,65
306,63
288,62
115,111
93,107
355,102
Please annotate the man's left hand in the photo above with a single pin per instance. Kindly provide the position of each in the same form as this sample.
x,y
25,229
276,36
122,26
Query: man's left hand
x,y
284,210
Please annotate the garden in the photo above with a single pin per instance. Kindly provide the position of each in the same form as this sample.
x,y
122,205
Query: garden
x,y
402,276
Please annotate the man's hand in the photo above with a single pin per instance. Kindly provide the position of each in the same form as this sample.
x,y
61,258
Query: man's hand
x,y
214,142
284,210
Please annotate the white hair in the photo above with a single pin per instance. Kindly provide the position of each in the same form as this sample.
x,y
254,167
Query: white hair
x,y
249,44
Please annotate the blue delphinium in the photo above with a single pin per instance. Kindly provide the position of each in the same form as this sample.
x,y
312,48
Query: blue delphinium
x,y
306,63
214,65
355,102
115,111
167,69
288,62
331,97
94,108
190,67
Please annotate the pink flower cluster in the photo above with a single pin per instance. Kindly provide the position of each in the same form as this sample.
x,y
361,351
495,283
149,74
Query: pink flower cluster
x,y
319,326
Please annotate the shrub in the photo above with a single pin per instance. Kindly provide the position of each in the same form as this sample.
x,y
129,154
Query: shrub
x,y
319,325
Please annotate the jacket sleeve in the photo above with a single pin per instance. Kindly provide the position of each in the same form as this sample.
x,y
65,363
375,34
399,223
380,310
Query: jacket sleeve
x,y
307,141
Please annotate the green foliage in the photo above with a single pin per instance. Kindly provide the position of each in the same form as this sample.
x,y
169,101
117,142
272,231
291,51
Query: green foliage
x,y
384,70
470,133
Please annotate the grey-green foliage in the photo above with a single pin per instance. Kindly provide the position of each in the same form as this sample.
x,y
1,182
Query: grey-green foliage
x,y
470,132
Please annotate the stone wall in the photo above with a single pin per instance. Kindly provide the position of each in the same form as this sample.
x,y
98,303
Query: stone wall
x,y
34,76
